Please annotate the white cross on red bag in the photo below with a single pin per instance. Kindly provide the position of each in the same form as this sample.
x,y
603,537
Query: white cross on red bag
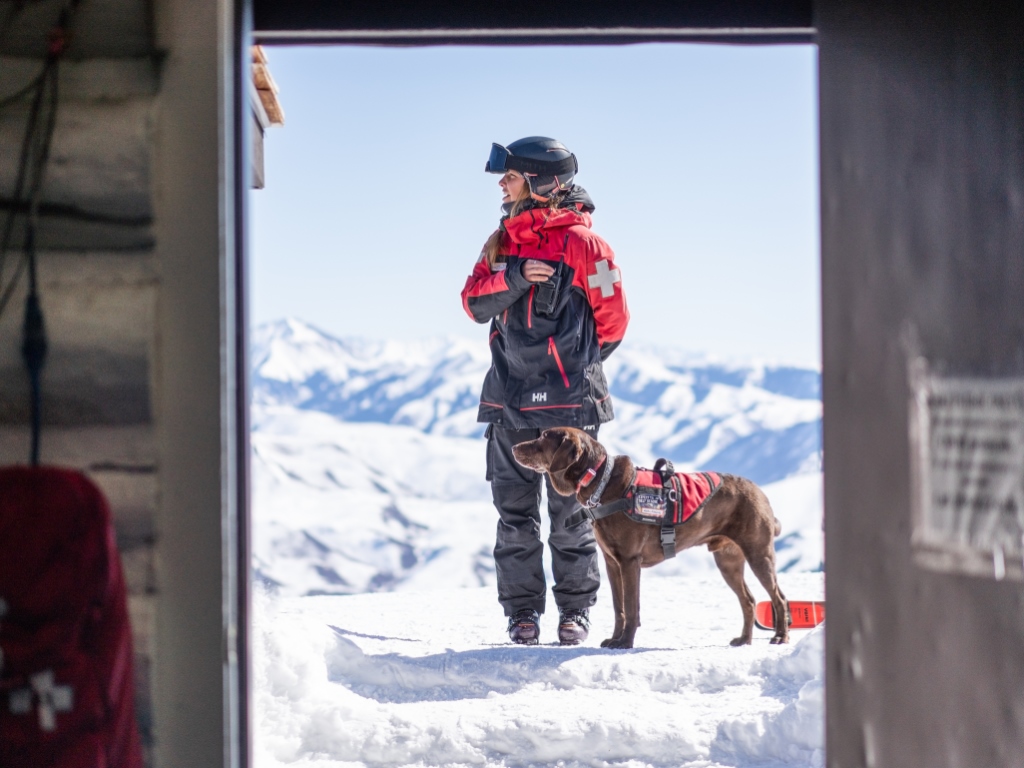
x,y
52,699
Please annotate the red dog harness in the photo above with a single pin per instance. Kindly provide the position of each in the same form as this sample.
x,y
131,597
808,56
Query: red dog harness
x,y
656,496
672,502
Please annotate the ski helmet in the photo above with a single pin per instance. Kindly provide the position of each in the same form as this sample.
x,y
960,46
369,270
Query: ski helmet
x,y
547,164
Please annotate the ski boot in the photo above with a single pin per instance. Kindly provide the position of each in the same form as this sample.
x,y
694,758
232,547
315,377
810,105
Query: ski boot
x,y
573,626
523,627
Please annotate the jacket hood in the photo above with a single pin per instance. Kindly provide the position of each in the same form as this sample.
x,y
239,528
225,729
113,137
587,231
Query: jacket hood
x,y
527,226
577,197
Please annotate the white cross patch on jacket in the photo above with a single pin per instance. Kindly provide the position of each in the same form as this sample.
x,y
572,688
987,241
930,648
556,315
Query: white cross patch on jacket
x,y
52,699
604,278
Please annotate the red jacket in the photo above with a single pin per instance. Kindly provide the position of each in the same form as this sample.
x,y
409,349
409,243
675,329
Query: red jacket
x,y
546,369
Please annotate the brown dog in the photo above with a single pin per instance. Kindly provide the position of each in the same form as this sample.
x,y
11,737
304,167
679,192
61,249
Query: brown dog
x,y
737,524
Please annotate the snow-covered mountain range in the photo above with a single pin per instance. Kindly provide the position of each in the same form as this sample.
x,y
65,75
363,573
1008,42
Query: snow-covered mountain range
x,y
368,461
755,419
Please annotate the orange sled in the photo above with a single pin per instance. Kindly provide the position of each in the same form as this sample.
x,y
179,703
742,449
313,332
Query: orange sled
x,y
805,614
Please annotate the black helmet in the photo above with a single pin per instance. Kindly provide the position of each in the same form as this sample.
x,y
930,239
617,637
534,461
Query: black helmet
x,y
546,163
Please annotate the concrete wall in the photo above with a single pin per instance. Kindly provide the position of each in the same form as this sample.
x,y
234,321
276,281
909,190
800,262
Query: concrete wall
x,y
922,163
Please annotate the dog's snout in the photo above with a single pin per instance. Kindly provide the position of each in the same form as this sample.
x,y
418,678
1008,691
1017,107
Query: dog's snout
x,y
519,451
527,455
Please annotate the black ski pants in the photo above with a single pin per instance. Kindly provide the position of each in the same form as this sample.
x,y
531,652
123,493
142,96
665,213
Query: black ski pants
x,y
518,549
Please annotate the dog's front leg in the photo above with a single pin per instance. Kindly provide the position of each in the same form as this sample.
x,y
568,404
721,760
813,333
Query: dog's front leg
x,y
615,582
629,575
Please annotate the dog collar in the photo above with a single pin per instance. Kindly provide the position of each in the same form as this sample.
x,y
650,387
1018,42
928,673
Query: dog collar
x,y
595,499
589,475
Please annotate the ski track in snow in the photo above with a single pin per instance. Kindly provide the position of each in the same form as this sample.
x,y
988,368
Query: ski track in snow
x,y
428,678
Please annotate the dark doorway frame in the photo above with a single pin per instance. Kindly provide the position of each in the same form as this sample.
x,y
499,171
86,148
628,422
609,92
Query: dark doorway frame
x,y
486,23
365,22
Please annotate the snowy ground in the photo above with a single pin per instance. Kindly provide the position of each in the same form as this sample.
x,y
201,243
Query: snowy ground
x,y
427,678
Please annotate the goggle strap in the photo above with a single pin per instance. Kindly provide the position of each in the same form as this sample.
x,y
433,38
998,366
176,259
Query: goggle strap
x,y
505,161
541,168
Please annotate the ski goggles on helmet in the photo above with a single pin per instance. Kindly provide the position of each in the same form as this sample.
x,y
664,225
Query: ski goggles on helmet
x,y
496,163
501,160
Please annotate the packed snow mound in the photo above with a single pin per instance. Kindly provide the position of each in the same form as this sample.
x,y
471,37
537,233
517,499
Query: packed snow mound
x,y
791,736
428,679
756,419
342,508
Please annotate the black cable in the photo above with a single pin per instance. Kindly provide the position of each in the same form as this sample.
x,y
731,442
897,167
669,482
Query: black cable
x,y
15,279
28,143
6,101
42,142
34,345
34,348
57,43
45,143
23,167
35,152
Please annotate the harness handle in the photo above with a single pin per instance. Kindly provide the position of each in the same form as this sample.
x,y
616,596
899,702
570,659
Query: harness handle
x,y
665,469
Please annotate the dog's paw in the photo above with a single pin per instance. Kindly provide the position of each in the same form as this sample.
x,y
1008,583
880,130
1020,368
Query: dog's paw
x,y
779,640
738,641
613,642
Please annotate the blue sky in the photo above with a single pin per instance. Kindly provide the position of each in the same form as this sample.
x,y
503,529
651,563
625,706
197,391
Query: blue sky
x,y
702,160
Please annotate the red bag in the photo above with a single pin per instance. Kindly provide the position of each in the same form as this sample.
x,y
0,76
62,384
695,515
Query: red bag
x,y
66,682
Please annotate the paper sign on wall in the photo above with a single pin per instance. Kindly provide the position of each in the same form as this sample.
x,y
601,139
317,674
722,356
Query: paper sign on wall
x,y
968,441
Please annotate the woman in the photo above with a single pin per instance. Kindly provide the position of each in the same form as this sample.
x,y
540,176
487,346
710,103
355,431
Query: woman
x,y
551,291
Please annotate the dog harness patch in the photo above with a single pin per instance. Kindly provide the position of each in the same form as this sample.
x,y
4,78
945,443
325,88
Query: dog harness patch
x,y
650,505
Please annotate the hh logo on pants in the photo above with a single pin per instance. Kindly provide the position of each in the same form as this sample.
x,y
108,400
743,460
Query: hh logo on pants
x,y
540,397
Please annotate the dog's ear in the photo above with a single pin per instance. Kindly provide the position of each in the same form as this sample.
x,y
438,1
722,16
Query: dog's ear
x,y
566,455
